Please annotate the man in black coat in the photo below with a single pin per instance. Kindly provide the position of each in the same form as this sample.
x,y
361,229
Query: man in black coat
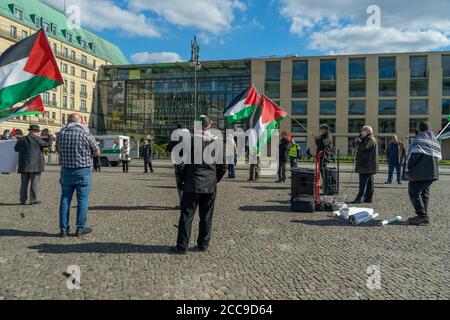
x,y
366,164
283,151
199,180
324,142
147,153
31,163
423,167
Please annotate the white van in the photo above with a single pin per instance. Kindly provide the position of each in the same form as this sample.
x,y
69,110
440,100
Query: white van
x,y
110,149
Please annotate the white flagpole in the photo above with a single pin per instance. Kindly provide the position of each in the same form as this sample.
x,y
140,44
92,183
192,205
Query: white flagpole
x,y
445,128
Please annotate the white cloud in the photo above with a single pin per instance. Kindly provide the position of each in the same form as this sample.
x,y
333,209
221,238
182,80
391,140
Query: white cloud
x,y
204,38
356,39
340,26
155,57
104,14
212,16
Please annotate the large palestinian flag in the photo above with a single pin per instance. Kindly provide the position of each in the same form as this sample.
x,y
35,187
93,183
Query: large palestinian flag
x,y
264,121
243,105
33,107
27,69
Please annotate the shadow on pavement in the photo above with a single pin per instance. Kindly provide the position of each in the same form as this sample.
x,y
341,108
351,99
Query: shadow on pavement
x,y
339,223
21,233
262,188
266,208
129,208
100,247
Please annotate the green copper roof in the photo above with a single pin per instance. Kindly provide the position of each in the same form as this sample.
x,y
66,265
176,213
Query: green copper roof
x,y
34,10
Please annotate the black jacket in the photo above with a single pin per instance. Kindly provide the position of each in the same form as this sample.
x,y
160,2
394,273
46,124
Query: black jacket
x,y
147,152
283,150
423,167
367,155
325,142
31,158
202,178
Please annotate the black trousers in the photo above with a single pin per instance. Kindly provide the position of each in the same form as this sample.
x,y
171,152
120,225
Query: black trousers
x,y
148,164
32,179
282,170
189,203
125,165
97,164
366,187
419,194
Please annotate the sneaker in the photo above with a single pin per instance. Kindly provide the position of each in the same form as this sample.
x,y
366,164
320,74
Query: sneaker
x,y
418,220
82,232
387,182
178,250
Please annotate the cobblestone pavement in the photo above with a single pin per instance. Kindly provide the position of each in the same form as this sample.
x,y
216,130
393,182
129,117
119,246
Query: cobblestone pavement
x,y
259,250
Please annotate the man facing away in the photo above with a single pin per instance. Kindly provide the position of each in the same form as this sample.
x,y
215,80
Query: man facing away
x,y
76,147
199,190
283,152
31,163
147,153
423,165
366,164
395,155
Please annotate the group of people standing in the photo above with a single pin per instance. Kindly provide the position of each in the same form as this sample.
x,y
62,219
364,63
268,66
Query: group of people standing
x,y
421,162
197,182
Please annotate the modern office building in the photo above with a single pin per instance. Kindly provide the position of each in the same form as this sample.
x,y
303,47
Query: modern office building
x,y
78,52
390,92
150,100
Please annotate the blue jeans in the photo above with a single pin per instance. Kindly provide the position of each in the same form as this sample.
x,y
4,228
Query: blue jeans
x,y
293,161
231,171
398,168
71,180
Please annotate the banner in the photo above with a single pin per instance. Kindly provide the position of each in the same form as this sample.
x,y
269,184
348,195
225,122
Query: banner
x,y
8,157
118,102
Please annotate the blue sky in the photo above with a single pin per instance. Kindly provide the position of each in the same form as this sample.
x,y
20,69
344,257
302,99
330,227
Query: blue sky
x,y
161,30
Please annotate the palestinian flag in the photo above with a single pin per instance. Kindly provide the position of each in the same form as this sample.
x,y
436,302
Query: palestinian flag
x,y
243,105
27,69
264,121
33,107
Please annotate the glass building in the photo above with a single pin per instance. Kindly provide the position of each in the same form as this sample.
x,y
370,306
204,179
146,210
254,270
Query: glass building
x,y
150,100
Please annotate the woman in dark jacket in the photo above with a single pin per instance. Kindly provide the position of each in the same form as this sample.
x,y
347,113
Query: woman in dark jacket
x,y
366,164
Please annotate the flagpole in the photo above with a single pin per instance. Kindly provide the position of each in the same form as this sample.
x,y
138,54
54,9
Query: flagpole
x,y
445,128
292,118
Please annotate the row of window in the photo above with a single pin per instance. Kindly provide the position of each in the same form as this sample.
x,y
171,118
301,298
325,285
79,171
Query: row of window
x,y
385,125
357,88
358,107
357,77
51,28
387,68
51,100
65,51
83,73
83,88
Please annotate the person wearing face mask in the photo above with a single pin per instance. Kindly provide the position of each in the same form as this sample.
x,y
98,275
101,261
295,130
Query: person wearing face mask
x,y
366,164
6,135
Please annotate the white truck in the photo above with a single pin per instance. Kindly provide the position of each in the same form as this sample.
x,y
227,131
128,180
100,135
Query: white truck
x,y
110,149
